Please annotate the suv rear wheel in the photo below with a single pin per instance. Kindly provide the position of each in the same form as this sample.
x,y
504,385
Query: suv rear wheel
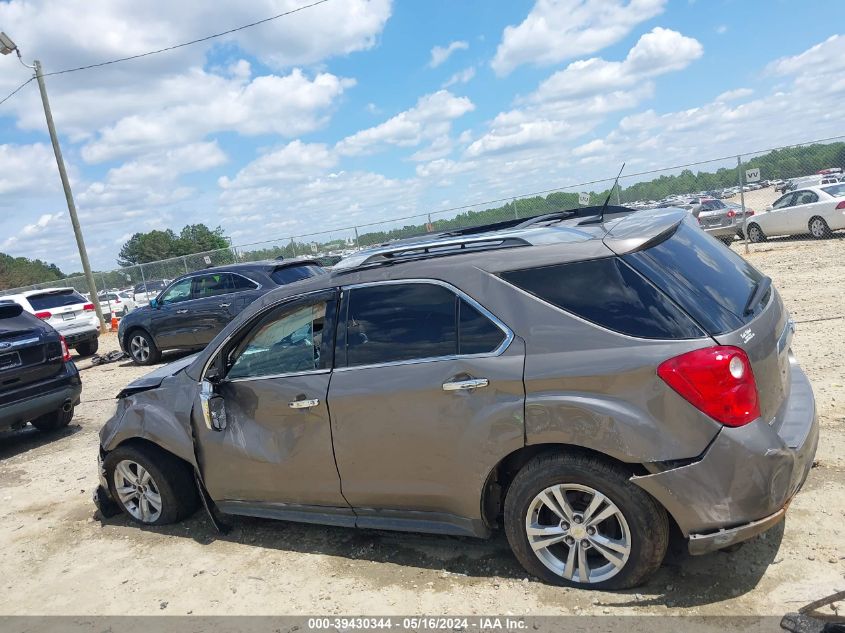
x,y
150,485
54,420
142,348
88,348
577,521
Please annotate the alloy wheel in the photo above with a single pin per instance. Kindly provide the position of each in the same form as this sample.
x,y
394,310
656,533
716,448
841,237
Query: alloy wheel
x,y
140,348
137,491
578,533
818,228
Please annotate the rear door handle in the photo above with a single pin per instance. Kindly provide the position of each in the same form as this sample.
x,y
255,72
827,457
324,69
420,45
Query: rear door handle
x,y
303,404
181,311
225,305
465,385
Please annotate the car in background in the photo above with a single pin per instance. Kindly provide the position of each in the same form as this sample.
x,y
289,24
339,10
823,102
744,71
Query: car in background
x,y
146,290
815,210
117,303
190,311
71,314
39,383
716,218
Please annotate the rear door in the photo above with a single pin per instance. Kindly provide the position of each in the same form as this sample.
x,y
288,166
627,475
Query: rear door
x,y
213,305
806,206
426,397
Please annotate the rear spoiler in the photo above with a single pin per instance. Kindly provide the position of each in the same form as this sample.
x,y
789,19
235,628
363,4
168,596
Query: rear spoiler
x,y
644,229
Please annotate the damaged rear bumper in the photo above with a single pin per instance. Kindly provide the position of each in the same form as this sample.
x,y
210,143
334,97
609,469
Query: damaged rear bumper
x,y
745,480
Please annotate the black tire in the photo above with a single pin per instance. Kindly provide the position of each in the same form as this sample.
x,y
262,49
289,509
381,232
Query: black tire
x,y
136,349
172,479
645,519
54,420
819,228
88,348
727,240
755,233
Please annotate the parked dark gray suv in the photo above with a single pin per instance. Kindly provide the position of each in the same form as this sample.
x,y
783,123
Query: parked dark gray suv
x,y
583,382
193,308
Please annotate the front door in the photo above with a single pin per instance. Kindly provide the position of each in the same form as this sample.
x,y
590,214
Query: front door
x,y
170,320
426,397
274,455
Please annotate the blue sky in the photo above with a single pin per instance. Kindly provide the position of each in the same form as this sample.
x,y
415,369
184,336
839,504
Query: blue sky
x,y
359,111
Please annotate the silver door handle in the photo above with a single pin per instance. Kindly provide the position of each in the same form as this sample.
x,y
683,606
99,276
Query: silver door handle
x,y
465,385
225,305
181,311
303,404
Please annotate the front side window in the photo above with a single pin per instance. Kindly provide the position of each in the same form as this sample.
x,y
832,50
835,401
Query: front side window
x,y
178,292
288,341
390,323
784,201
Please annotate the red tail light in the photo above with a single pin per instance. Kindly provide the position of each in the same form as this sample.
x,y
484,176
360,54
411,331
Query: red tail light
x,y
44,315
117,300
88,307
841,205
65,350
749,211
731,213
716,380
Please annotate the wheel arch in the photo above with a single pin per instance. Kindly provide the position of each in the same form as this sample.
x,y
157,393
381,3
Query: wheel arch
x,y
136,328
500,477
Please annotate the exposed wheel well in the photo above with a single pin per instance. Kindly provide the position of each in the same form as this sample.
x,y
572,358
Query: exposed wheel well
x,y
139,442
500,478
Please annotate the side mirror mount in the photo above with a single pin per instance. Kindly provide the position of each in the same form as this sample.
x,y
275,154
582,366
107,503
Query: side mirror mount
x,y
154,304
213,407
769,208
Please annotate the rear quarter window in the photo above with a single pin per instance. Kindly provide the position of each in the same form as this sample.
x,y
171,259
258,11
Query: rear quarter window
x,y
290,274
609,293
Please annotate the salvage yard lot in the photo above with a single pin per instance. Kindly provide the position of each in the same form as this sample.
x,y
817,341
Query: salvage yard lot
x,y
61,558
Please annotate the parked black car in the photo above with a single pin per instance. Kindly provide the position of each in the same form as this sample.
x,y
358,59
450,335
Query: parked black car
x,y
38,381
190,312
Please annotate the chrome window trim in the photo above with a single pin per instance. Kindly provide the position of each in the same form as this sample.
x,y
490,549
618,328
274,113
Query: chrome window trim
x,y
191,276
255,317
509,335
293,374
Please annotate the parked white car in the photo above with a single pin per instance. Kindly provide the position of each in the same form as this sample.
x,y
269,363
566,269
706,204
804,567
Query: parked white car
x,y
815,210
70,314
118,303
150,289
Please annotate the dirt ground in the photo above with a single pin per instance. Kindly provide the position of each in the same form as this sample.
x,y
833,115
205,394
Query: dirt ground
x,y
59,558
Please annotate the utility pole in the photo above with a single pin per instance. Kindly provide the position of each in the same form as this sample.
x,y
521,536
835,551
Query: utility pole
x,y
7,46
71,207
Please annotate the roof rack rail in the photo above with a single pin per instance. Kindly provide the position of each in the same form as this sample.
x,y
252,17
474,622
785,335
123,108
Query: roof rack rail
x,y
423,250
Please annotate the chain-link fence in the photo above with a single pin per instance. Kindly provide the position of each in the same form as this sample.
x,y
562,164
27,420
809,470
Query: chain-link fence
x,y
766,199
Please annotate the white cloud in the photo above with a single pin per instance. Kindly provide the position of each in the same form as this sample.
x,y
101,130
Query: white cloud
x,y
27,169
735,95
556,30
294,161
722,29
192,106
440,54
430,118
460,77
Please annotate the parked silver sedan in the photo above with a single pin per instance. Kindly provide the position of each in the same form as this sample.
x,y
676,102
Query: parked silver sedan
x,y
722,220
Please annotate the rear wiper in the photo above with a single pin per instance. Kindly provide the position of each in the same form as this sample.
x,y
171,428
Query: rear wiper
x,y
757,294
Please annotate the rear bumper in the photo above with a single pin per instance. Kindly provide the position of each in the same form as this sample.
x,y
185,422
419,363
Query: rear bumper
x,y
75,338
43,398
746,478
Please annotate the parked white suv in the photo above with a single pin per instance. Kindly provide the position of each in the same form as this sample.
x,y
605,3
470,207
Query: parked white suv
x,y
71,314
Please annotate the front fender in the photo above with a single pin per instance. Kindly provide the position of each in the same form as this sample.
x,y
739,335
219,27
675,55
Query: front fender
x,y
161,416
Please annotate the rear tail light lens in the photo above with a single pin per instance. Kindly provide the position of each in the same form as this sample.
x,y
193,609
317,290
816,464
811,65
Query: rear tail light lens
x,y
44,315
749,212
841,205
65,350
717,381
731,213
88,307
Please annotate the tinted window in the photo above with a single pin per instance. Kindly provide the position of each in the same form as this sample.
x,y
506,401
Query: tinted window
x,y
609,293
56,300
784,201
710,282
287,343
212,285
805,197
178,292
242,283
476,333
395,322
289,274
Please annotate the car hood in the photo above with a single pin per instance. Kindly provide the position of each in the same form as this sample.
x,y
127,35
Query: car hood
x,y
155,377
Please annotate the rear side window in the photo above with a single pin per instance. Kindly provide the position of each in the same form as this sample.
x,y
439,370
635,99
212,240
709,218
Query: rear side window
x,y
55,300
609,293
402,322
242,283
289,274
709,281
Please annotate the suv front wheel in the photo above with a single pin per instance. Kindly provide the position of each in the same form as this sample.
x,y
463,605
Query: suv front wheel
x,y
142,348
577,521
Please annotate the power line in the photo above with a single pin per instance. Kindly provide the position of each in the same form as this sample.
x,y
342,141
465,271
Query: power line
x,y
183,44
15,91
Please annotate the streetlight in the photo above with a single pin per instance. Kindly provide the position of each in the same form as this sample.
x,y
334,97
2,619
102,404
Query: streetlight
x,y
8,46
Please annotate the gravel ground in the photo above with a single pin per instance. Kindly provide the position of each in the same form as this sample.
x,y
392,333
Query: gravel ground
x,y
62,559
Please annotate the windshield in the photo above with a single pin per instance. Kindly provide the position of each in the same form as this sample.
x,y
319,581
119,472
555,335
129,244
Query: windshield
x,y
837,191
